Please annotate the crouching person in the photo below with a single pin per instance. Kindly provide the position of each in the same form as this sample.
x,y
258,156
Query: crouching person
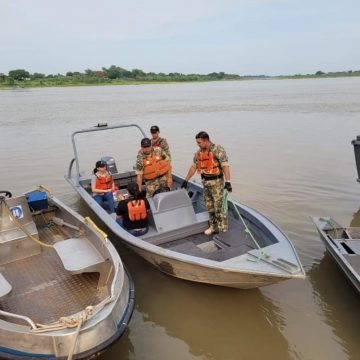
x,y
132,212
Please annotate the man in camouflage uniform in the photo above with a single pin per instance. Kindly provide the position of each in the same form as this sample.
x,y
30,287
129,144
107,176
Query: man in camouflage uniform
x,y
146,153
213,170
158,141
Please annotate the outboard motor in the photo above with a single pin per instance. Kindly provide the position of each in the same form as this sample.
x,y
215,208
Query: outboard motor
x,y
110,164
356,144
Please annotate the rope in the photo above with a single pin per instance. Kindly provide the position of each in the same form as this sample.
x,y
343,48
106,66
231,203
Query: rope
x,y
226,199
72,322
21,227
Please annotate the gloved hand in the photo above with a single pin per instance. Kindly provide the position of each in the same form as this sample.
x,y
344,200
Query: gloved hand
x,y
227,186
184,184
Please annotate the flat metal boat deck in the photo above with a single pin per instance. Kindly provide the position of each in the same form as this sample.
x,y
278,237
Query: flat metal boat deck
x,y
42,289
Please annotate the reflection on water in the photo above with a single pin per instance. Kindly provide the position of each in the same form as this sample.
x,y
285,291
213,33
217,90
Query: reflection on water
x,y
338,303
182,320
290,154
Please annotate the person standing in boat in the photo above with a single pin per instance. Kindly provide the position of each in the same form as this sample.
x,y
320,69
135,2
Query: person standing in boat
x,y
157,141
153,166
132,212
211,162
102,186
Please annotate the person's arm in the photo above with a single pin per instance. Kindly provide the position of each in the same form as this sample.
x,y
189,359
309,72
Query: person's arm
x,y
139,169
139,181
170,178
222,157
226,170
166,148
189,175
113,185
166,157
119,210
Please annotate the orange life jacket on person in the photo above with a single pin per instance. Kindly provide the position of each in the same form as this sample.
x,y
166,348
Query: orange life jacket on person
x,y
154,167
206,163
104,183
137,210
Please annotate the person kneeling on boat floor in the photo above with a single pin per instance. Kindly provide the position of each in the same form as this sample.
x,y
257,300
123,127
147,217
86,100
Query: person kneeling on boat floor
x,y
152,165
132,212
102,186
211,162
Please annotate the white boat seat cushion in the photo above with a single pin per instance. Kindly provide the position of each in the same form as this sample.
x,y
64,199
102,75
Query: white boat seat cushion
x,y
80,255
5,287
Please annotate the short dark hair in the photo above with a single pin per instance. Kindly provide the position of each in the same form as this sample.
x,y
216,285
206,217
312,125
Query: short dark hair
x,y
132,188
202,135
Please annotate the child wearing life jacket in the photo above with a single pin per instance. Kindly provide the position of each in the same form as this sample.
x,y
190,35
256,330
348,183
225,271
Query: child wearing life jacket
x,y
132,212
102,186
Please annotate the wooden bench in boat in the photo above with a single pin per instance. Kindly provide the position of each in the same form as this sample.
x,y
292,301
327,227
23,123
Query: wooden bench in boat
x,y
5,287
79,255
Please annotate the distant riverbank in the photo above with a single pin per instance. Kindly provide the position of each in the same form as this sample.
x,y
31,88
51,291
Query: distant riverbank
x,y
118,76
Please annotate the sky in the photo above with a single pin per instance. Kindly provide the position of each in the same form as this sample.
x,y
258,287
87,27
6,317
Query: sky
x,y
245,37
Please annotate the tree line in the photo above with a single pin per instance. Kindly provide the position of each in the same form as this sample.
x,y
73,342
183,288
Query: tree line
x,y
118,75
112,74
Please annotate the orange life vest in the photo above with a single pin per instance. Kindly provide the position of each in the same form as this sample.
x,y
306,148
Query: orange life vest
x,y
154,167
104,183
137,210
206,164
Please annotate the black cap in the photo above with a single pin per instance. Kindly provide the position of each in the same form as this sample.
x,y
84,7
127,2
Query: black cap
x,y
100,163
145,142
154,129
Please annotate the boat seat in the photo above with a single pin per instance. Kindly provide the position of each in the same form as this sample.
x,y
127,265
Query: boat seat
x,y
14,243
171,210
80,256
5,287
172,216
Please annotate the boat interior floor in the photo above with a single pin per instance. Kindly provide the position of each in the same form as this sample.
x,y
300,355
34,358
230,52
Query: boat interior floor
x,y
218,247
42,289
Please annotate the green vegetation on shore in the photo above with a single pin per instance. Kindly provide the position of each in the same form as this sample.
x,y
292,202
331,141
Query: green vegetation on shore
x,y
321,74
115,75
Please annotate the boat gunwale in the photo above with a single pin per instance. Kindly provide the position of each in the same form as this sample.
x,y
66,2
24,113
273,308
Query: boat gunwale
x,y
335,252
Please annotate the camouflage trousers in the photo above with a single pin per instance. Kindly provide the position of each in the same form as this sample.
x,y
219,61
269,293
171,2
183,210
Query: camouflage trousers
x,y
156,184
213,197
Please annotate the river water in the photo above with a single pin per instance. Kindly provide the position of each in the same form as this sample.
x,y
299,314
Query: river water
x,y
290,154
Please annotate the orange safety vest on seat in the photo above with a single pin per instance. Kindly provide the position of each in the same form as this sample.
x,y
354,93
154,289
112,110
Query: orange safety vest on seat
x,y
154,167
137,210
206,164
104,183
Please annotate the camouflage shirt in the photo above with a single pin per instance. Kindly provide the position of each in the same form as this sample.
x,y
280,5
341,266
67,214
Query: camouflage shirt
x,y
219,154
139,167
163,144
